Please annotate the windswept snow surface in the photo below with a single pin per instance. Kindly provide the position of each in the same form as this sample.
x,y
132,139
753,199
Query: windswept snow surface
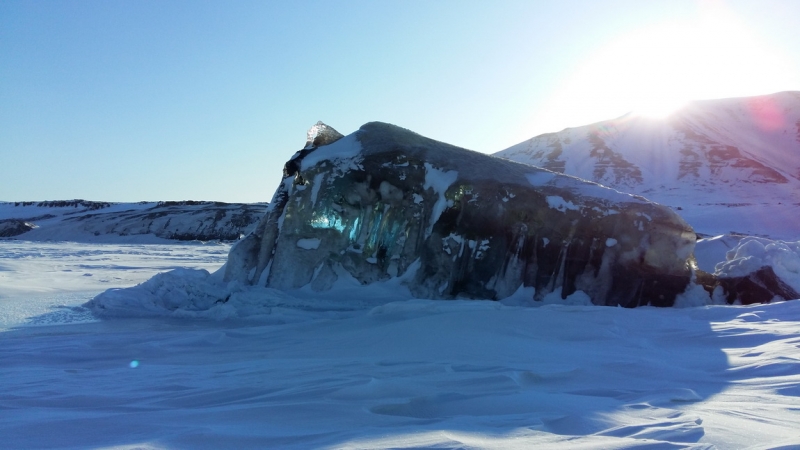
x,y
270,369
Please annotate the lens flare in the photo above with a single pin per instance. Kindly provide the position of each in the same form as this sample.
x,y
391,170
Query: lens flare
x,y
766,113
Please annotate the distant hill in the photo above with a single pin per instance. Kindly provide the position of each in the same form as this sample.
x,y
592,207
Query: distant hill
x,y
729,165
87,221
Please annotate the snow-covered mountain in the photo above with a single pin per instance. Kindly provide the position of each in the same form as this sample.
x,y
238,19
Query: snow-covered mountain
x,y
87,221
729,165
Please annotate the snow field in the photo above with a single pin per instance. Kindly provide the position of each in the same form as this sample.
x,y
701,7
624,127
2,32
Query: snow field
x,y
38,278
374,370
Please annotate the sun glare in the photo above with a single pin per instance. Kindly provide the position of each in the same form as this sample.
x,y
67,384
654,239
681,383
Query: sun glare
x,y
655,70
658,109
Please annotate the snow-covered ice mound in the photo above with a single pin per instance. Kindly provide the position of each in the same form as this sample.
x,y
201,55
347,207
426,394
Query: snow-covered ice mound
x,y
738,269
753,253
759,270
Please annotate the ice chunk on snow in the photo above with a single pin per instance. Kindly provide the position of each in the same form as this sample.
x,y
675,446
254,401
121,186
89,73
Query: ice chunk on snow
x,y
577,298
695,295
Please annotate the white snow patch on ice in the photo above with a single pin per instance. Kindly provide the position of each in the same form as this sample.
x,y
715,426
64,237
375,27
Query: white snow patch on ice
x,y
345,148
558,202
316,185
308,243
439,181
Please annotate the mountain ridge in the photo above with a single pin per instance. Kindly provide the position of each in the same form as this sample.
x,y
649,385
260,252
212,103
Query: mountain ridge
x,y
709,159
89,221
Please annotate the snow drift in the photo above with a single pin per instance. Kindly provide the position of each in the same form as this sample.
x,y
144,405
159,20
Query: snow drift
x,y
333,370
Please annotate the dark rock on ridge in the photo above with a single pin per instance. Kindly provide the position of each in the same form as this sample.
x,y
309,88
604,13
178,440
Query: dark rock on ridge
x,y
77,203
14,227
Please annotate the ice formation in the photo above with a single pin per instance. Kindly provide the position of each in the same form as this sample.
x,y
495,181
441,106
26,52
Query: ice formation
x,y
384,202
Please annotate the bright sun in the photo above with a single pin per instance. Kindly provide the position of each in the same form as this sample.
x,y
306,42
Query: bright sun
x,y
655,70
674,63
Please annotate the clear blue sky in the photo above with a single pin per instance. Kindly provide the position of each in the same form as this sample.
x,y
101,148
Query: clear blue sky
x,y
205,100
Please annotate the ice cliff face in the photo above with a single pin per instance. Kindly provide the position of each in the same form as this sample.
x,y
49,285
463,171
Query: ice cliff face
x,y
384,202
